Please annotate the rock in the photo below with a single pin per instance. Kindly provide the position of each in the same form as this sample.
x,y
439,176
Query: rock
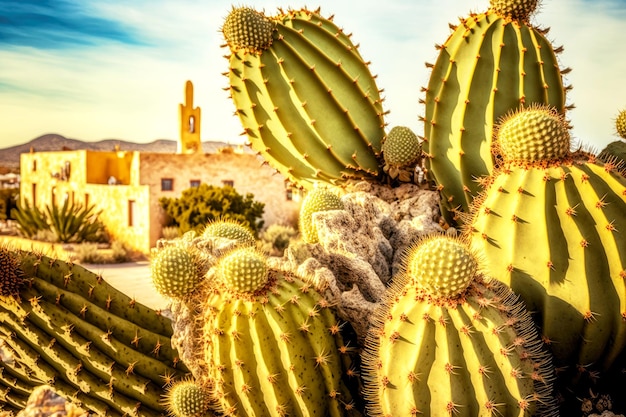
x,y
44,402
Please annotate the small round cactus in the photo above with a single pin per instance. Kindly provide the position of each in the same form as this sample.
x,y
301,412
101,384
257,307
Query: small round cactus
x,y
533,134
519,10
229,229
318,199
11,277
175,271
442,265
245,28
620,124
401,147
186,399
243,270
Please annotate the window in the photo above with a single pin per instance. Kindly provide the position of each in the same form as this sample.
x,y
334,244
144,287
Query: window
x,y
192,124
132,206
34,194
228,183
289,194
194,183
167,184
86,200
34,165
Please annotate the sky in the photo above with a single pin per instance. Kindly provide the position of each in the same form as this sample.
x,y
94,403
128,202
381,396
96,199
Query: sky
x,y
116,69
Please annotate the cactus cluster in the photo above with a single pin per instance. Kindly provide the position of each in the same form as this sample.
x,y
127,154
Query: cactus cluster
x,y
380,308
68,328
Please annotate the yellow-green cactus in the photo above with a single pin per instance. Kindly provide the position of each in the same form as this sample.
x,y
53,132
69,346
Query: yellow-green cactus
x,y
316,200
176,270
446,340
229,229
186,398
401,148
620,124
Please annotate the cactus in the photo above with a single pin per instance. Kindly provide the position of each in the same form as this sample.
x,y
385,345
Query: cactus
x,y
11,275
186,398
551,230
68,328
305,97
490,65
401,148
516,10
316,200
176,270
229,229
466,344
271,344
620,124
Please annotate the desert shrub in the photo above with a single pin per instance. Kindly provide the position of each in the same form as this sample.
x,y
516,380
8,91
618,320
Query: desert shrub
x,y
8,202
69,223
119,252
199,205
170,232
276,238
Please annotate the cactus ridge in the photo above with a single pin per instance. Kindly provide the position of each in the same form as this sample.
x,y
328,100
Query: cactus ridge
x,y
468,93
316,200
570,214
285,95
534,134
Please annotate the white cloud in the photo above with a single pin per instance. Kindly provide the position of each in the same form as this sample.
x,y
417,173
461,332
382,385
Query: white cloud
x,y
131,92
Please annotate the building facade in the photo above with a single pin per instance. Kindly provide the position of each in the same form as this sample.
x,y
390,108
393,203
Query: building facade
x,y
125,186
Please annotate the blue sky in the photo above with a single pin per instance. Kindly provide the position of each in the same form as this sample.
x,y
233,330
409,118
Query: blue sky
x,y
115,69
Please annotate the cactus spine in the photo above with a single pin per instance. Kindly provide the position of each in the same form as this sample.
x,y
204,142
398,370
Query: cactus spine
x,y
550,230
467,344
305,97
490,65
70,329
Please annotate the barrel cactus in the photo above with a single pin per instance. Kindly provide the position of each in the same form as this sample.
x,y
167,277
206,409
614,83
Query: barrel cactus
x,y
447,340
550,228
306,98
176,270
401,149
186,398
491,64
229,229
271,343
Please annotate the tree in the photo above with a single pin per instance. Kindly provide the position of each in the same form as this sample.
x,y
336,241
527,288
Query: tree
x,y
199,205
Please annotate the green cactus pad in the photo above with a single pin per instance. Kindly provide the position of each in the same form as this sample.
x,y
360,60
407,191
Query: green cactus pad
x,y
442,265
318,199
533,135
186,399
245,28
519,10
11,278
401,147
174,271
620,124
229,229
243,270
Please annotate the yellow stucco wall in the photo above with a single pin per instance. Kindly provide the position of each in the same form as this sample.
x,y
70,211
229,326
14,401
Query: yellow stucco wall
x,y
139,178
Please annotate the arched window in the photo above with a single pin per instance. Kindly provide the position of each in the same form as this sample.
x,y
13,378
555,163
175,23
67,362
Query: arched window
x,y
192,124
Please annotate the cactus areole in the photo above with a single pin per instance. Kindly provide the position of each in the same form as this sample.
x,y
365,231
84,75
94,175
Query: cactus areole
x,y
488,67
306,99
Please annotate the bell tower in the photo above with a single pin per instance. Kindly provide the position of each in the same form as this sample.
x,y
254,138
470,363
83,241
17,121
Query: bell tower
x,y
189,141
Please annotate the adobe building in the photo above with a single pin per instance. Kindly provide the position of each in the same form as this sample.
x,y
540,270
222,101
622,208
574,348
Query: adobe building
x,y
127,185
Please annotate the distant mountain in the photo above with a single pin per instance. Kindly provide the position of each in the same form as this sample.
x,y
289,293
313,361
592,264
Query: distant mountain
x,y
10,157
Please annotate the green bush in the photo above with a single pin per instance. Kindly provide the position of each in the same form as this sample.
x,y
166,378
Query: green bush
x,y
199,205
8,202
